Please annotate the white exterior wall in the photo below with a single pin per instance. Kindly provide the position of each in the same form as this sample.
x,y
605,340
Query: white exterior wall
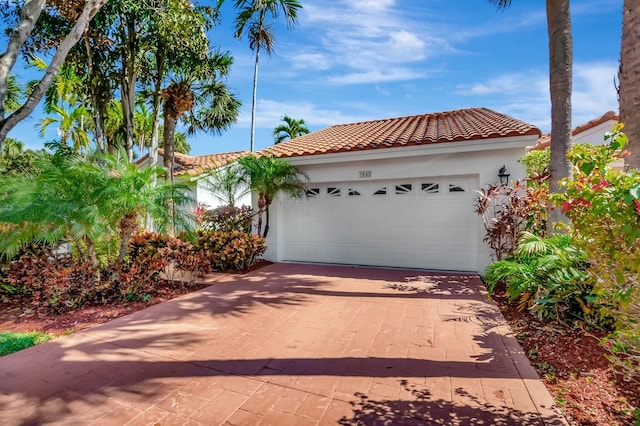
x,y
205,195
481,158
594,135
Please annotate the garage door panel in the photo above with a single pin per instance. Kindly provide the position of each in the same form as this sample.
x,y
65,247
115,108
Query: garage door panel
x,y
417,223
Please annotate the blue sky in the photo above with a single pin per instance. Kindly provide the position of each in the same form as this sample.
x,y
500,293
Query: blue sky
x,y
355,60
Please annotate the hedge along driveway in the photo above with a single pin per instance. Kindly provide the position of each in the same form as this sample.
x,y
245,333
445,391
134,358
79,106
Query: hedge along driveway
x,y
289,344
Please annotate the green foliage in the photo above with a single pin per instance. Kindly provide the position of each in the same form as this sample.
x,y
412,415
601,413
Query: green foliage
x,y
290,129
267,176
14,342
85,202
506,211
603,205
546,275
228,184
537,164
15,160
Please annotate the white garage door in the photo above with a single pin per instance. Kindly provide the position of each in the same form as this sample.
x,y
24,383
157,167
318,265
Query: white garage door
x,y
416,223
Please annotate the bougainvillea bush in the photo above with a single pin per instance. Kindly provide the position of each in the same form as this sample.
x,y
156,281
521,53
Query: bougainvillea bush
x,y
603,206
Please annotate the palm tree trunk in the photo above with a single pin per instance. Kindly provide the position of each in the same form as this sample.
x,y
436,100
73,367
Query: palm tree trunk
x,y
128,85
560,75
91,252
155,132
253,104
128,226
629,76
261,209
96,98
266,222
169,141
157,97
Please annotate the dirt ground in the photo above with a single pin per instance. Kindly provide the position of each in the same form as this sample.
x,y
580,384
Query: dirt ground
x,y
571,361
573,366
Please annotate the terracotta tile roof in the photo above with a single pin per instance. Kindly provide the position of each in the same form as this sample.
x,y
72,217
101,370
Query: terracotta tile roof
x,y
196,165
451,126
545,140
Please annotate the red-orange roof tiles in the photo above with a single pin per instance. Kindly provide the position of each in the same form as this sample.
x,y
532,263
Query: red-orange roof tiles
x,y
451,126
196,165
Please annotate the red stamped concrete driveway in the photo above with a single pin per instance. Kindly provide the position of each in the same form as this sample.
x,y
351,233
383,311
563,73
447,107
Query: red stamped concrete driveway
x,y
289,344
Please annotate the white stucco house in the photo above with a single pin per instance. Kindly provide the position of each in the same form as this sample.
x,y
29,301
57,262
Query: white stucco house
x,y
396,192
195,169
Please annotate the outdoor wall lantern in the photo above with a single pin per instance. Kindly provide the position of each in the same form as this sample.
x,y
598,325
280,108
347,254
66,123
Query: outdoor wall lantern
x,y
504,175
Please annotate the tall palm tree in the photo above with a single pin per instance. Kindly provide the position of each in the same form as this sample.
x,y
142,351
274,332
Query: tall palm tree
x,y
205,102
629,76
267,176
291,129
560,86
252,16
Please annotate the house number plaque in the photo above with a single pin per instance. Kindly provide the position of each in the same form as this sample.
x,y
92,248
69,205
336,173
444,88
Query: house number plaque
x,y
364,174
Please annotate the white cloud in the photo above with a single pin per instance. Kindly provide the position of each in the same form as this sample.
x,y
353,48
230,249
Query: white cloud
x,y
528,94
376,76
506,84
593,90
315,61
361,40
270,113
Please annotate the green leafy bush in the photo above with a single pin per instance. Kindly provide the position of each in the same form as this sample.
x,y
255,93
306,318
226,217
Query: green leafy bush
x,y
603,205
547,276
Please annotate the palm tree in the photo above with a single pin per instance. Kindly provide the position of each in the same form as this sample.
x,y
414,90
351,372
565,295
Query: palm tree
x,y
76,124
291,129
132,192
560,84
13,96
252,16
199,95
267,176
81,201
629,76
227,184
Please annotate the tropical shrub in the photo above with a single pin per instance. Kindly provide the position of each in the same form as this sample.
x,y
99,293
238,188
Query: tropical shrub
x,y
506,211
56,282
85,202
147,259
546,276
228,219
604,208
537,164
228,250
